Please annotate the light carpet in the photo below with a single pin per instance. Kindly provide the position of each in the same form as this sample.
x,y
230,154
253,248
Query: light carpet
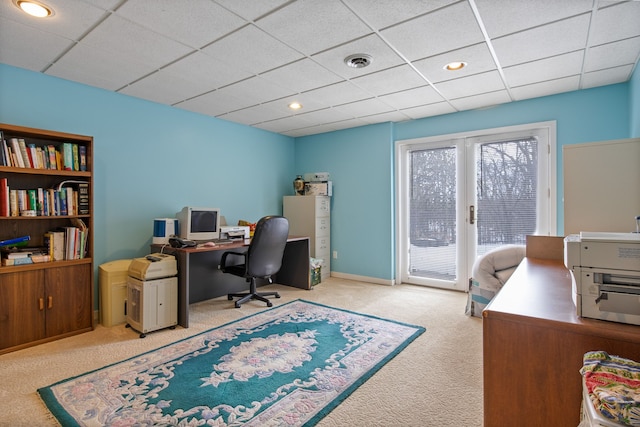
x,y
436,381
289,365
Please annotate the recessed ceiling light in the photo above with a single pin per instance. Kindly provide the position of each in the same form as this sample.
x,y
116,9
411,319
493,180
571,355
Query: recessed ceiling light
x,y
295,106
33,8
358,60
453,66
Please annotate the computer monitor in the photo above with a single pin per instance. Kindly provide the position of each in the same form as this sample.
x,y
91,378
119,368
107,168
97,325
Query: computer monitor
x,y
199,223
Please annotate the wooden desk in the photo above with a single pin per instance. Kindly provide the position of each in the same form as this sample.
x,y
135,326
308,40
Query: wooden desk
x,y
199,278
533,344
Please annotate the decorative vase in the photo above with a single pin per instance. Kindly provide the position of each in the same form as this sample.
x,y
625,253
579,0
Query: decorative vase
x,y
298,185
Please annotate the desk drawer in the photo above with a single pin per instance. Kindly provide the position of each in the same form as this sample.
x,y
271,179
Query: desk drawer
x,y
323,226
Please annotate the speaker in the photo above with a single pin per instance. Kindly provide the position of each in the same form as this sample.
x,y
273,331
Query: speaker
x,y
163,228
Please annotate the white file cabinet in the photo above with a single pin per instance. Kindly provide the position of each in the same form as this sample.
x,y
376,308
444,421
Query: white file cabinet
x,y
311,216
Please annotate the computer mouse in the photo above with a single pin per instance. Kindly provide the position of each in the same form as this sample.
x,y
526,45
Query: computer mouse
x,y
208,245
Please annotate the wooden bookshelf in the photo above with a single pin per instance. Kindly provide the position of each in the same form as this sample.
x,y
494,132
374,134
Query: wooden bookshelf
x,y
45,301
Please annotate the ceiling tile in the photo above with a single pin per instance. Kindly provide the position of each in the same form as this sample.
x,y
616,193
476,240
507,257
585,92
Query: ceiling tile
x,y
251,49
339,93
542,42
256,90
550,87
432,34
436,109
545,69
118,35
42,49
507,17
251,9
301,76
95,67
412,97
613,54
389,81
383,13
478,59
607,77
256,114
311,26
213,103
184,79
471,85
71,18
364,108
616,22
195,23
382,57
483,101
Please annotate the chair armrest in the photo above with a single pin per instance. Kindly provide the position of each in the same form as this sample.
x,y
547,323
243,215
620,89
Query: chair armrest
x,y
223,261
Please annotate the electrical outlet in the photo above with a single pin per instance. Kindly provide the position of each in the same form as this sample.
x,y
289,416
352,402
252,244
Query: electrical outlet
x,y
335,254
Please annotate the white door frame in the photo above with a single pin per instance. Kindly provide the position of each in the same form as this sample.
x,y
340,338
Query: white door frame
x,y
401,170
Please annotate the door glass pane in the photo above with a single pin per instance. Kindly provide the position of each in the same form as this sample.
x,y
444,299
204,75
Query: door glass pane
x,y
432,213
507,188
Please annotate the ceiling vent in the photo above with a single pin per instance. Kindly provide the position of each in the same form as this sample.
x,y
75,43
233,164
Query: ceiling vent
x,y
359,60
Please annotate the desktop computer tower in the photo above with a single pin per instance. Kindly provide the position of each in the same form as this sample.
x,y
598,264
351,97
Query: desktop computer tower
x,y
152,304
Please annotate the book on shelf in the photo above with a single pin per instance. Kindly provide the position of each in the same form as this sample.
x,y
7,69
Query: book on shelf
x,y
17,254
17,261
83,198
5,201
67,156
15,241
18,161
82,154
25,154
54,240
4,155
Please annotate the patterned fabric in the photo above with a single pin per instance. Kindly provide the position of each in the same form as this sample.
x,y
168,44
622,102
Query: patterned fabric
x,y
613,384
286,366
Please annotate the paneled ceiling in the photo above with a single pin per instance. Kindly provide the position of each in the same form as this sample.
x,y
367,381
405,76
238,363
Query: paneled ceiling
x,y
246,60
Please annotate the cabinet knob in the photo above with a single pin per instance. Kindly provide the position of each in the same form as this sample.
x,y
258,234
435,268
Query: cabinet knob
x,y
50,302
41,303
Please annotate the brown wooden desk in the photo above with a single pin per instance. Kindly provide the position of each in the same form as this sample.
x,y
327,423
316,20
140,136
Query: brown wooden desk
x,y
533,344
199,278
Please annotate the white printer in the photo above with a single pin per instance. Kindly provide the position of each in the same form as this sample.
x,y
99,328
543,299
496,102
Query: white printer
x,y
605,268
152,293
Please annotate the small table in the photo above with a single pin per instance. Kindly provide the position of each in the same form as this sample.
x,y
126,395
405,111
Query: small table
x,y
199,278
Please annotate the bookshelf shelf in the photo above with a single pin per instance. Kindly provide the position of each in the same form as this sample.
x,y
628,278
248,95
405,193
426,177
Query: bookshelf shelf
x,y
65,284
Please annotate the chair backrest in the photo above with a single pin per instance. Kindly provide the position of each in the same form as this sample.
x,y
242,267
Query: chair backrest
x,y
264,256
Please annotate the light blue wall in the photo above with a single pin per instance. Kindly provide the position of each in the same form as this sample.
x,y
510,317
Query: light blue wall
x,y
634,103
151,160
360,162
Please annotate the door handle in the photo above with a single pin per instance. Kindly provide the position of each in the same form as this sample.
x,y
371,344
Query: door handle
x,y
472,214
50,302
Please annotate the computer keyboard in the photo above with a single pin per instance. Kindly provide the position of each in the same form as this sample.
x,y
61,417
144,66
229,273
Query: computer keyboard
x,y
222,241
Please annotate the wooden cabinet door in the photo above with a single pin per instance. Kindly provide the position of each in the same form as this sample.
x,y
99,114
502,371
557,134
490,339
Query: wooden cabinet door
x,y
22,310
68,299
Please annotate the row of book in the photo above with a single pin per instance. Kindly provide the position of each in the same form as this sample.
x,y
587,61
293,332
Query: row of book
x,y
64,243
19,153
63,200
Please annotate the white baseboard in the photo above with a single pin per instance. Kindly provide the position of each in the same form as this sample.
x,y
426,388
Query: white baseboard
x,y
363,278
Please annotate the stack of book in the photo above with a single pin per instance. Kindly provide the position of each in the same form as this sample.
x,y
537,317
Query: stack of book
x,y
21,256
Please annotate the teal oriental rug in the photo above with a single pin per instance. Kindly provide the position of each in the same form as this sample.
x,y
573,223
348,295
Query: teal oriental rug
x,y
285,366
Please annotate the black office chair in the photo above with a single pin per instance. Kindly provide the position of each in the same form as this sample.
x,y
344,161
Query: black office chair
x,y
262,260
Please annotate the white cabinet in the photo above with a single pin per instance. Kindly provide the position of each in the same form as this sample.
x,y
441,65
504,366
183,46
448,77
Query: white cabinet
x,y
311,216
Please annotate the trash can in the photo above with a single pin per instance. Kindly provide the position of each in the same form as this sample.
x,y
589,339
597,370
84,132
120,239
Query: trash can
x,y
113,292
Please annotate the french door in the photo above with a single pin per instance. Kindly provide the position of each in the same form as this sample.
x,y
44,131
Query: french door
x,y
459,196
